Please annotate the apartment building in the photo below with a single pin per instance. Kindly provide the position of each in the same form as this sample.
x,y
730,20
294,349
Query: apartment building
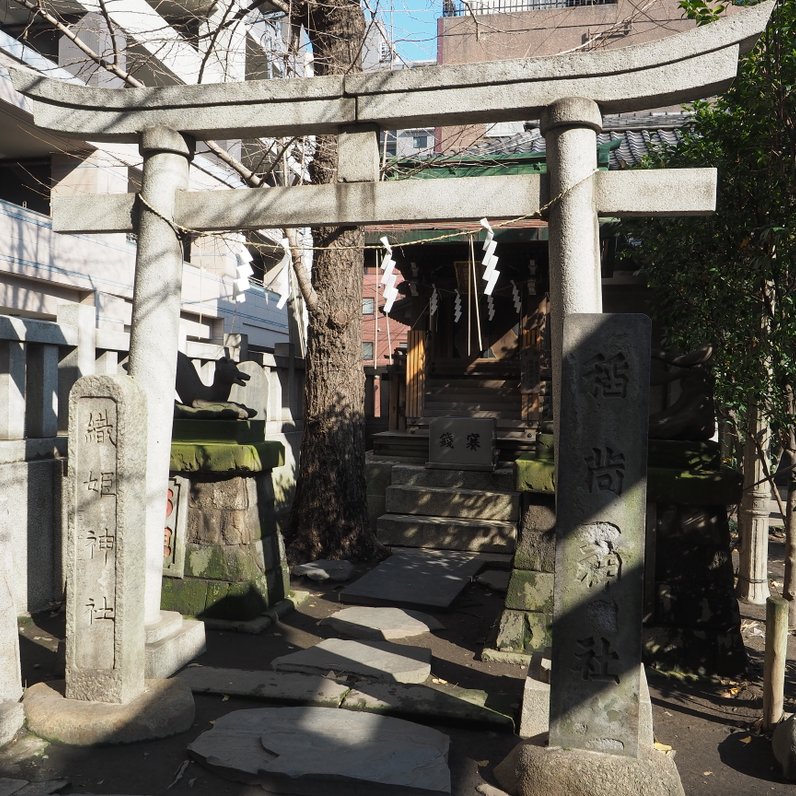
x,y
167,43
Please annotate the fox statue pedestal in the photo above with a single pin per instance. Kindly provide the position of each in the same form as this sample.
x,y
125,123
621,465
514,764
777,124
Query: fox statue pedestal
x,y
224,558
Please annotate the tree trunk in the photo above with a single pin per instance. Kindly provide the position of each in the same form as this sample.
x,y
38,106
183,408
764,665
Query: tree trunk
x,y
329,517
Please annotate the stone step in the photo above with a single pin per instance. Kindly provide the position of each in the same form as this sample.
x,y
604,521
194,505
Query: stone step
x,y
446,394
500,480
437,383
446,533
474,504
514,437
460,409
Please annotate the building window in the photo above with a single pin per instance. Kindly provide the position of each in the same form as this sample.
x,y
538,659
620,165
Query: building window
x,y
368,306
420,140
367,350
389,142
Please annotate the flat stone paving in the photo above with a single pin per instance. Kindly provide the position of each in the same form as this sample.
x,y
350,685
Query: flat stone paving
x,y
436,700
311,751
417,578
307,689
376,660
381,623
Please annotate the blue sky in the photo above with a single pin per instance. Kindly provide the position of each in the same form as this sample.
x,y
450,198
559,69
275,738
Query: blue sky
x,y
412,24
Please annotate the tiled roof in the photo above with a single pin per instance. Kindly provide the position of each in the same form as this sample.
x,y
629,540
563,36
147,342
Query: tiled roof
x,y
637,134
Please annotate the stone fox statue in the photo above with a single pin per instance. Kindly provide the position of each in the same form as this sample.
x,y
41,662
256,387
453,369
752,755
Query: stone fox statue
x,y
198,399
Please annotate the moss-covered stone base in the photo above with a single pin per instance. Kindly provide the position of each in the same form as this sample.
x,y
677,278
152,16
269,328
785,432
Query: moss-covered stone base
x,y
694,623
235,565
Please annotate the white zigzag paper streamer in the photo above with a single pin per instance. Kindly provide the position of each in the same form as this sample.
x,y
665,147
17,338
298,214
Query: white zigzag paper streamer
x,y
490,307
515,295
242,273
283,280
389,278
490,260
433,302
457,307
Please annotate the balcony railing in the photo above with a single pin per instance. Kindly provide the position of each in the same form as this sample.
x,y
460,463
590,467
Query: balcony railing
x,y
457,8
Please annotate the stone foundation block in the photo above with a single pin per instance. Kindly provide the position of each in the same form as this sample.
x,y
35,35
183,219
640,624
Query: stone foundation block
x,y
536,548
165,707
530,591
170,654
523,631
535,714
532,770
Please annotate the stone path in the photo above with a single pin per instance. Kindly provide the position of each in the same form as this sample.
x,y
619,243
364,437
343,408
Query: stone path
x,y
417,578
443,701
319,750
381,623
374,660
344,738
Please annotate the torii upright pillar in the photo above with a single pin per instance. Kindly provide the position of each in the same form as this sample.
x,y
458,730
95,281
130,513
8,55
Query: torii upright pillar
x,y
570,128
155,334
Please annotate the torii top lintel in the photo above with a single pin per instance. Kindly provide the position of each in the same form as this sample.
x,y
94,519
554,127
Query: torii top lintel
x,y
680,68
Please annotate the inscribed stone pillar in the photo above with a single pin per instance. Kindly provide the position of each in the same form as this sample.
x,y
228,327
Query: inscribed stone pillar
x,y
601,495
570,128
105,565
154,333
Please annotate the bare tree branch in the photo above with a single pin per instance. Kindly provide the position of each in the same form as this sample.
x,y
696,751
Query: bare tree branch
x,y
302,277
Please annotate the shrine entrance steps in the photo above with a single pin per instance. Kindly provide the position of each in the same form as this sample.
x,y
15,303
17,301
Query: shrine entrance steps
x,y
492,393
450,510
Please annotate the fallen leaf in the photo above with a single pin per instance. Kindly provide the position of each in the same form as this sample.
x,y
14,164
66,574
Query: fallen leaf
x,y
180,772
707,773
748,739
662,747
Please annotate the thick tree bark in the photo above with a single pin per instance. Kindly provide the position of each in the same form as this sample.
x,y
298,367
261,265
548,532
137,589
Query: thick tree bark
x,y
330,506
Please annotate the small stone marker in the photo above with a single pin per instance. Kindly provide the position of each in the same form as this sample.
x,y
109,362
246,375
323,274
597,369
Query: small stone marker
x,y
176,525
310,751
376,660
461,443
381,623
105,553
595,681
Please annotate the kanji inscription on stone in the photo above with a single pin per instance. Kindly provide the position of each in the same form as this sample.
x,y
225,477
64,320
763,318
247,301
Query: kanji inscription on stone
x,y
601,496
464,443
607,376
105,552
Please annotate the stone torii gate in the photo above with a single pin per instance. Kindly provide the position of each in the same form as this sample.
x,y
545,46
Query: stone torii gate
x,y
568,92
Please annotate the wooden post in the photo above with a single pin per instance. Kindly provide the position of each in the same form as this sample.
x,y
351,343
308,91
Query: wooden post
x,y
776,657
415,372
